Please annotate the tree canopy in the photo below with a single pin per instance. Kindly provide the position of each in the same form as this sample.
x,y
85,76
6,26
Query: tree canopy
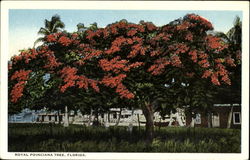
x,y
137,63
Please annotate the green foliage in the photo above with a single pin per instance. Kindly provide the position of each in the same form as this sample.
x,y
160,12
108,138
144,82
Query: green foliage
x,y
77,138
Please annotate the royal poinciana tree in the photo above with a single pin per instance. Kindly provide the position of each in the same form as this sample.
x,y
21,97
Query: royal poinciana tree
x,y
139,63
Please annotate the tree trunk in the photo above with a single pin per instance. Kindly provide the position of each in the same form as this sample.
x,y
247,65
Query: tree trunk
x,y
138,117
149,115
192,122
90,117
108,117
66,118
170,119
209,120
230,117
58,114
118,121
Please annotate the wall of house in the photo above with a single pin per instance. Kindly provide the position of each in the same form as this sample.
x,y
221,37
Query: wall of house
x,y
223,112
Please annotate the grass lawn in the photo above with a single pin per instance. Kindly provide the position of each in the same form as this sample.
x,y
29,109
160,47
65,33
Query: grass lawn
x,y
77,138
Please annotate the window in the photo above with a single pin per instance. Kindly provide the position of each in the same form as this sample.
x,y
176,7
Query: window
x,y
236,118
198,119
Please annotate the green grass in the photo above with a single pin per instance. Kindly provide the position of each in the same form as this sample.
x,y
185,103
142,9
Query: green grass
x,y
77,138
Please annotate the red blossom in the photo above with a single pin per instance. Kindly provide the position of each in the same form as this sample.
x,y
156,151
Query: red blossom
x,y
178,48
21,75
17,91
183,26
68,74
65,41
214,79
189,37
193,54
51,38
112,82
82,82
230,61
175,61
207,73
131,32
201,20
158,67
124,92
93,84
215,43
204,63
51,60
115,64
93,53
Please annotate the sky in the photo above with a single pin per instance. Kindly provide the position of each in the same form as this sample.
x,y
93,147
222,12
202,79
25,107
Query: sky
x,y
25,23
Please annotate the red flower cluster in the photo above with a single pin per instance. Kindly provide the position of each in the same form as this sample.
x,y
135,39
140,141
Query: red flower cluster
x,y
155,53
91,34
200,20
193,55
175,61
189,36
178,48
131,32
158,67
112,82
25,55
65,41
124,92
137,49
93,84
116,65
162,36
17,91
214,79
51,38
68,74
215,43
21,75
115,82
221,70
82,82
204,63
93,53
230,61
51,60
183,26
149,26
207,73
116,44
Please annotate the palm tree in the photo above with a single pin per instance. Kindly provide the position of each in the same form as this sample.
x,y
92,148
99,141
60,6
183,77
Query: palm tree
x,y
233,36
53,26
